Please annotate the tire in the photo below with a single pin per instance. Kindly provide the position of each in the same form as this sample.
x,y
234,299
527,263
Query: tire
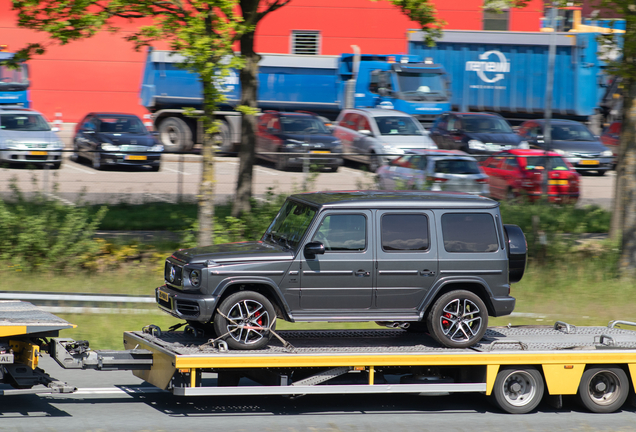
x,y
603,389
56,165
175,135
518,390
97,161
223,139
75,156
155,168
333,168
458,319
374,162
281,162
600,173
245,308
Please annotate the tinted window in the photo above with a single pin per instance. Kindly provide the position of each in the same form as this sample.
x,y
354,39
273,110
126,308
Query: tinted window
x,y
405,232
343,232
469,232
303,125
23,122
486,124
121,124
397,126
571,132
456,166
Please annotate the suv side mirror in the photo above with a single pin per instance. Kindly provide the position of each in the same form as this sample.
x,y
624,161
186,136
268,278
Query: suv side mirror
x,y
313,248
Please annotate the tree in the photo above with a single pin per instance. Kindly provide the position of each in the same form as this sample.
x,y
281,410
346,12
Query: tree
x,y
202,31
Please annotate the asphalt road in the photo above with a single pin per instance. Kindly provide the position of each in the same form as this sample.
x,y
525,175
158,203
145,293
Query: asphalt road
x,y
179,179
117,401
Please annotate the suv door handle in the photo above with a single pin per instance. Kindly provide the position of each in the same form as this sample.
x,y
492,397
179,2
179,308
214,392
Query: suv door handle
x,y
427,272
362,273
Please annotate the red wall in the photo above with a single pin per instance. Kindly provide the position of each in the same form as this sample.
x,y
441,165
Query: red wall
x,y
104,73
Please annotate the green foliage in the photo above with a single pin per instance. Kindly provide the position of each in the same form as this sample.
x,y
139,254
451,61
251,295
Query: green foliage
x,y
42,234
423,12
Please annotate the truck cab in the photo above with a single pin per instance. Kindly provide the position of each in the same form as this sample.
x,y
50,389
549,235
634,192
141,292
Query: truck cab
x,y
14,82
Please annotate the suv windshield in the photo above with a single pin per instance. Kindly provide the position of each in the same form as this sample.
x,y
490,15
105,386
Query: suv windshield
x,y
456,166
486,124
426,85
397,126
303,125
290,224
23,122
121,124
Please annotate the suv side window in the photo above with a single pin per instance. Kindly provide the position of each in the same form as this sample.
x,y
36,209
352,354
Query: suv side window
x,y
343,232
469,232
404,233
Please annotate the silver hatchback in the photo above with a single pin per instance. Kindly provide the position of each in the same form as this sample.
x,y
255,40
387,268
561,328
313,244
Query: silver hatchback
x,y
435,170
27,138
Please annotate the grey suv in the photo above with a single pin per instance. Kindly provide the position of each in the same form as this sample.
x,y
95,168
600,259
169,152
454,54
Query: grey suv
x,y
441,262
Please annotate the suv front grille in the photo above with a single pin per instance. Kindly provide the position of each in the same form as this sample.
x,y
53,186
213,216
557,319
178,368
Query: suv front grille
x,y
173,274
133,148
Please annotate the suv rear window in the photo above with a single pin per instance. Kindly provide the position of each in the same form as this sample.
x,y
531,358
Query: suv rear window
x,y
469,232
456,166
405,232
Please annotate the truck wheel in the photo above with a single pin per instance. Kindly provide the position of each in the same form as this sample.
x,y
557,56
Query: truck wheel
x,y
603,389
518,390
458,319
175,135
252,316
223,139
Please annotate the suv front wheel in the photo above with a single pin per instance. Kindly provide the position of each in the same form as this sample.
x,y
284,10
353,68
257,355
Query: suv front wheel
x,y
458,319
245,319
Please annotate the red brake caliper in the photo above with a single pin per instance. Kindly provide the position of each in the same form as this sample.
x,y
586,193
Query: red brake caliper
x,y
259,321
446,323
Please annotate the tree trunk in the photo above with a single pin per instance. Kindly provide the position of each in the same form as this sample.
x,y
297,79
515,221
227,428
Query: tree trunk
x,y
626,174
247,151
206,188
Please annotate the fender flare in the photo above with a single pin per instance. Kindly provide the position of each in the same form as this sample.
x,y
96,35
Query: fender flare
x,y
442,283
222,287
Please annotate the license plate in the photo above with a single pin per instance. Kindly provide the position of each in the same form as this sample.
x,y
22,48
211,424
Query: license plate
x,y
589,162
558,182
38,153
135,157
320,151
164,296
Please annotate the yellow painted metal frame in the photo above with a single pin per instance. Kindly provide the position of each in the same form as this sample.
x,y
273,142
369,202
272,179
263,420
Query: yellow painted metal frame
x,y
559,379
25,353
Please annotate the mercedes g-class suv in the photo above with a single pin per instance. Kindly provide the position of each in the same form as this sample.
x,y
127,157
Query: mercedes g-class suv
x,y
422,261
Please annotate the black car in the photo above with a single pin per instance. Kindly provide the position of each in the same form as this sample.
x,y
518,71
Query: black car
x,y
476,133
292,139
108,139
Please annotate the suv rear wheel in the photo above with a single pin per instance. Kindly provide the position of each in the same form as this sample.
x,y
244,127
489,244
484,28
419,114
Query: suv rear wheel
x,y
250,316
458,319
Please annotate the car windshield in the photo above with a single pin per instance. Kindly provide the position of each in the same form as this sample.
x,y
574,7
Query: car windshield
x,y
290,224
486,124
555,163
23,122
303,125
10,76
393,125
571,132
422,84
456,166
121,124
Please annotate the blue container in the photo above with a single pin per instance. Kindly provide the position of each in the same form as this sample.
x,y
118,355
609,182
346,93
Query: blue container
x,y
506,72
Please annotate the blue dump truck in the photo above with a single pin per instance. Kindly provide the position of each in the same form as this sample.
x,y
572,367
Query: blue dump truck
x,y
506,72
321,84
14,83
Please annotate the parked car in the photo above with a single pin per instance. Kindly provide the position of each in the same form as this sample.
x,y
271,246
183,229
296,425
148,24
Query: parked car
x,y
611,138
109,139
374,136
573,141
436,170
291,139
27,138
416,260
475,133
515,174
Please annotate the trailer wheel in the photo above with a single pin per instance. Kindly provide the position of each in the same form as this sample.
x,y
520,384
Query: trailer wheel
x,y
458,319
518,390
251,315
175,135
603,389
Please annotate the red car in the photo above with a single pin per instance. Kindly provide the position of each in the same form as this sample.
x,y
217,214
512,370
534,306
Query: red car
x,y
611,137
519,174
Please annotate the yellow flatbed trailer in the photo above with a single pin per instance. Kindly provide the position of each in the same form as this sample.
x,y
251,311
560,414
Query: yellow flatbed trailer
x,y
514,365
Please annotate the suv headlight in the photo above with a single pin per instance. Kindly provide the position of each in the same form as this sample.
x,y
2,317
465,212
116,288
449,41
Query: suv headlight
x,y
476,145
289,143
524,145
110,147
156,148
607,153
195,277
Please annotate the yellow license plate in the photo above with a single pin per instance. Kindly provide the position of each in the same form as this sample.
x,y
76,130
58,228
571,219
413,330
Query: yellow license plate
x,y
164,296
589,162
38,153
135,157
558,182
320,151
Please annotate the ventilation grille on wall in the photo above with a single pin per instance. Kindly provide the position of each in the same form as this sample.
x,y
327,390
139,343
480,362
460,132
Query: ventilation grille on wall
x,y
305,42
